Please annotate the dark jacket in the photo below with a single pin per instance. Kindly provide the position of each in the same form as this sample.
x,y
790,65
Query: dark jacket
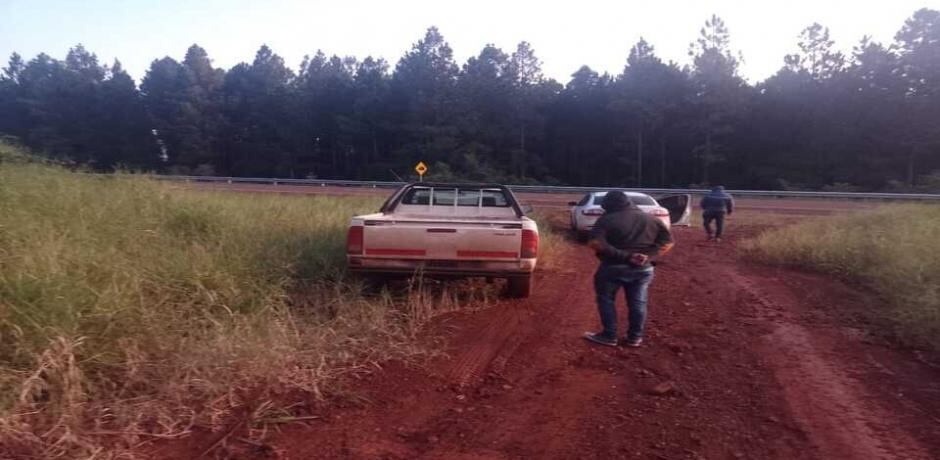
x,y
718,201
625,230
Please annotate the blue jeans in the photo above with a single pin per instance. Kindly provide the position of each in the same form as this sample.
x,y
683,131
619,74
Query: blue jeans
x,y
635,281
714,216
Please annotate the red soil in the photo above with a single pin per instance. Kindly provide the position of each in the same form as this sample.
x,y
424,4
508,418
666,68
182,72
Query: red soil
x,y
741,361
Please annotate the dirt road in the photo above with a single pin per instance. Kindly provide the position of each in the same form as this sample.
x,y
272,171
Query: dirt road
x,y
742,362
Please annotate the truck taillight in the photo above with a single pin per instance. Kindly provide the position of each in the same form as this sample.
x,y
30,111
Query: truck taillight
x,y
530,244
354,240
660,212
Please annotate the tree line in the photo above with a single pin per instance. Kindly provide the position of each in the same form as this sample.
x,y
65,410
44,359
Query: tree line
x,y
869,120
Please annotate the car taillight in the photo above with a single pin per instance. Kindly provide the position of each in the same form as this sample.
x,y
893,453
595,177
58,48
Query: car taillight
x,y
530,244
592,212
354,240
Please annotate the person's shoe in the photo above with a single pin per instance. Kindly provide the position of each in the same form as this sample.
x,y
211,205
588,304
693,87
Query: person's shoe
x,y
709,237
635,342
600,339
717,239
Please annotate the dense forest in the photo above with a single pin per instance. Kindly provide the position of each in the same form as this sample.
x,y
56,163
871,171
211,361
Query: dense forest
x,y
869,120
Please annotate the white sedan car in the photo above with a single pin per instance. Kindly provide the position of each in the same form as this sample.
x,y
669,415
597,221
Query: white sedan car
x,y
673,210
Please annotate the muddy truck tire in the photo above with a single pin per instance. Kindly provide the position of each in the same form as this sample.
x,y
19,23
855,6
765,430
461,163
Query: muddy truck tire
x,y
519,287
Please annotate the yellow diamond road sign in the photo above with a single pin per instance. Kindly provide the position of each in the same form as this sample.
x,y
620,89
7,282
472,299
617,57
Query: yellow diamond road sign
x,y
421,168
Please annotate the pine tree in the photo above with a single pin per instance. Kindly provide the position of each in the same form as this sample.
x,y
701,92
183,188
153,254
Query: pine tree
x,y
719,93
817,56
918,44
423,96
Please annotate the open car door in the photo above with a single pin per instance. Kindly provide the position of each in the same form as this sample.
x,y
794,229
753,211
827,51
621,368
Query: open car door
x,y
679,207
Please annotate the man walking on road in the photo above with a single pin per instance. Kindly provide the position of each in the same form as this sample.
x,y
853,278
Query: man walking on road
x,y
715,205
626,240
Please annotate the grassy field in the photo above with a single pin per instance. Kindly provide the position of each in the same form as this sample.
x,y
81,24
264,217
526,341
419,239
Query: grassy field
x,y
131,308
892,249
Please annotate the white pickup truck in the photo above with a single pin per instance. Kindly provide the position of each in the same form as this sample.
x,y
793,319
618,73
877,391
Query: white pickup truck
x,y
447,230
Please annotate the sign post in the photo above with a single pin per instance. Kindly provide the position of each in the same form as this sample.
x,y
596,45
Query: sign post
x,y
421,168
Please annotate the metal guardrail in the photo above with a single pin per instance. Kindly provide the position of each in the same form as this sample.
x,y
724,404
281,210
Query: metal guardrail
x,y
561,189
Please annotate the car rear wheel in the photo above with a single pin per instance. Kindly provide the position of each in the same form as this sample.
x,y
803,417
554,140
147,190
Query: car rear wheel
x,y
519,286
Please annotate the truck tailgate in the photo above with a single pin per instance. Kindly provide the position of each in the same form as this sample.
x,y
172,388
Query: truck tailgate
x,y
442,240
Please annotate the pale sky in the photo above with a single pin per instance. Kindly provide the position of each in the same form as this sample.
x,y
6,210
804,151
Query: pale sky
x,y
564,34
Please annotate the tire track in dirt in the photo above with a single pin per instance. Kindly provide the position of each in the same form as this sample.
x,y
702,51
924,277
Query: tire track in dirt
x,y
492,345
529,394
494,339
470,364
842,418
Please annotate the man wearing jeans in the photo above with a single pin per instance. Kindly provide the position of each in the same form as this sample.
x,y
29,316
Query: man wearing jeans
x,y
715,205
625,240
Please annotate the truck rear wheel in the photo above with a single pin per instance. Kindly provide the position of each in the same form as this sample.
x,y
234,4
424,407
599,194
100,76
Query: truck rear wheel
x,y
581,235
519,286
374,283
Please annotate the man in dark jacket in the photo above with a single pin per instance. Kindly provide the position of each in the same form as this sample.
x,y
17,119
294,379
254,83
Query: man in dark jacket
x,y
715,205
626,240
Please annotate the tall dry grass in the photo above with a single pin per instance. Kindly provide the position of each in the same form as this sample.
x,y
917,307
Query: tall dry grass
x,y
130,309
892,249
551,241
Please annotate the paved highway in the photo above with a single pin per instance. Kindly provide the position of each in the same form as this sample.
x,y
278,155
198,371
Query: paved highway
x,y
798,206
